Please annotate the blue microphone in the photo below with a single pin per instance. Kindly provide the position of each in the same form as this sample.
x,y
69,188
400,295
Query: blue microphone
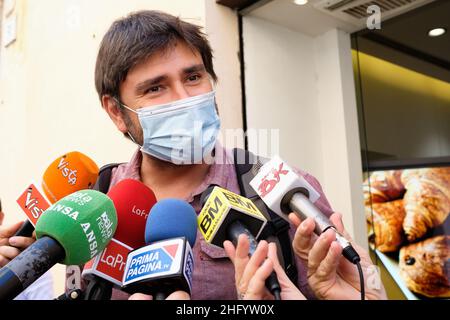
x,y
171,218
166,264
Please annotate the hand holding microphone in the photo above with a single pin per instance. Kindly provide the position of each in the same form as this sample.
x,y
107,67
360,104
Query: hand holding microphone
x,y
287,194
283,191
252,272
225,216
330,276
11,245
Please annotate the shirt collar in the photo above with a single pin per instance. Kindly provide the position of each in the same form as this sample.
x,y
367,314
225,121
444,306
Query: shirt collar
x,y
218,174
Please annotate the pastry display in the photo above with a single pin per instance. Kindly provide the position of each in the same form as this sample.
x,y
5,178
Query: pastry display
x,y
387,223
407,211
425,266
427,200
383,186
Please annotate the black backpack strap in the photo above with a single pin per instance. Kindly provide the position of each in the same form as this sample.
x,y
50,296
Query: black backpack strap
x,y
247,166
104,177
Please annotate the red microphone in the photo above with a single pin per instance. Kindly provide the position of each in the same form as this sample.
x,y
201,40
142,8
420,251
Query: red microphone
x,y
133,201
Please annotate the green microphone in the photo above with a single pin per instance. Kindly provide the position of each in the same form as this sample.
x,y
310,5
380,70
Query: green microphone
x,y
71,231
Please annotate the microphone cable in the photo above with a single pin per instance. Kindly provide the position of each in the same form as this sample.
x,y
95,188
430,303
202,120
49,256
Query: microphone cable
x,y
351,255
274,286
277,294
361,280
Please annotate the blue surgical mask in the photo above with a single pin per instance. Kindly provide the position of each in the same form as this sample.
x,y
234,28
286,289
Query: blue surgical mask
x,y
181,132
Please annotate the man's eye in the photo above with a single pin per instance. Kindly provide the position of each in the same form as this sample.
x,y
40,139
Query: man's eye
x,y
154,89
194,77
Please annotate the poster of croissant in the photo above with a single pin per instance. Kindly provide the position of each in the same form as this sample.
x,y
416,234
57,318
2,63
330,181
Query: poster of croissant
x,y
408,221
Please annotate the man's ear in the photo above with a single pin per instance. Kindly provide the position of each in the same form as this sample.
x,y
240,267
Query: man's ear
x,y
112,108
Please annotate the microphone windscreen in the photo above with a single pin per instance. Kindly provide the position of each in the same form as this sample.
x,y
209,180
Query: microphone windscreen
x,y
69,173
83,223
171,218
133,201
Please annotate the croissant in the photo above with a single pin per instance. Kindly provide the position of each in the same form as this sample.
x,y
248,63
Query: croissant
x,y
427,200
387,223
383,186
425,266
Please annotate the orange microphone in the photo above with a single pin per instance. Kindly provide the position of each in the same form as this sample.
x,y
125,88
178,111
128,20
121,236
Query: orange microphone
x,y
72,172
69,173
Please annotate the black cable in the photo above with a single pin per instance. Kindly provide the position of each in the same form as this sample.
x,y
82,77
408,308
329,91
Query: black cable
x,y
351,255
361,280
273,285
277,294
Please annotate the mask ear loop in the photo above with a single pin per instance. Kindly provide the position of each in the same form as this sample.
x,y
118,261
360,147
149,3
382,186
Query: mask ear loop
x,y
132,139
212,155
126,107
213,85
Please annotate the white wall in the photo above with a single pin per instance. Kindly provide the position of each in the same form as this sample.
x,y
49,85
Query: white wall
x,y
340,134
48,102
304,86
221,25
281,91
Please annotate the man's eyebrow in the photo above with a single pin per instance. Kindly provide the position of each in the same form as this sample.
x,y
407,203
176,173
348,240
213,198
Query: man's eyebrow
x,y
195,68
144,85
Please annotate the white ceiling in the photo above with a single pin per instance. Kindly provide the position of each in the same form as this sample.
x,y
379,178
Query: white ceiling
x,y
406,30
311,21
305,19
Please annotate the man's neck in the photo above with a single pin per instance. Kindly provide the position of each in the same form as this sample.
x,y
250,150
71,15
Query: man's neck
x,y
168,180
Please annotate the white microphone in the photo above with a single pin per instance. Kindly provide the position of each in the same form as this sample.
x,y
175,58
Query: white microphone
x,y
283,191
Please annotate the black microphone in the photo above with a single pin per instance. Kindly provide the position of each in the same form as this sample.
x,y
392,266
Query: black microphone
x,y
25,230
225,216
